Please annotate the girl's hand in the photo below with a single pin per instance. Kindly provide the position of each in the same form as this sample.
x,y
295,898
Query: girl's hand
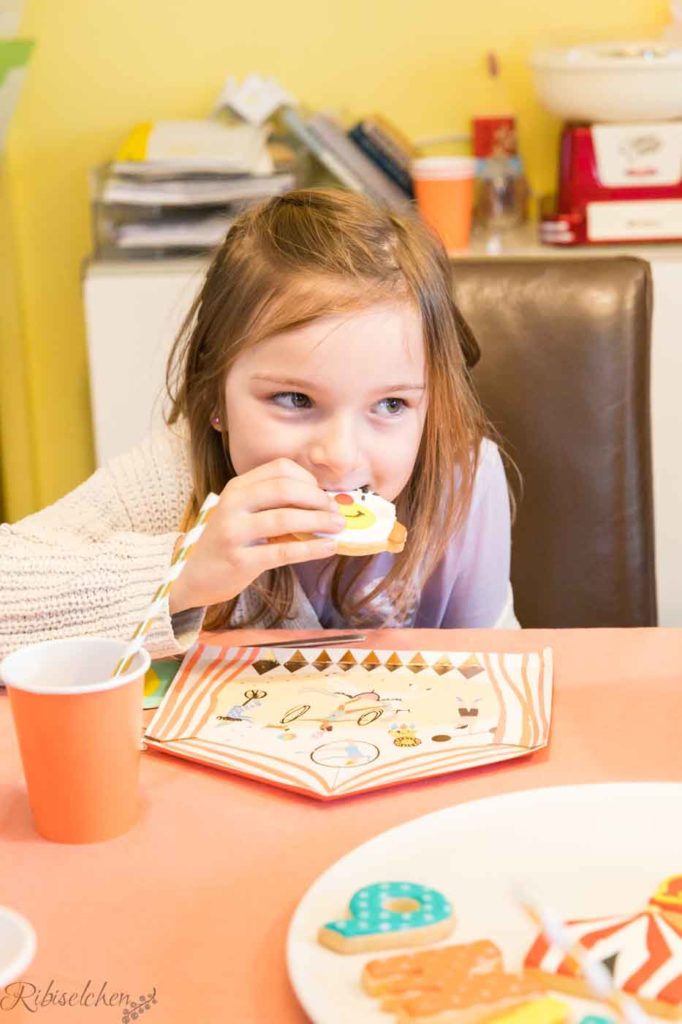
x,y
250,530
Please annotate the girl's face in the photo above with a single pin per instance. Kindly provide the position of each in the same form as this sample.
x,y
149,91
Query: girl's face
x,y
344,397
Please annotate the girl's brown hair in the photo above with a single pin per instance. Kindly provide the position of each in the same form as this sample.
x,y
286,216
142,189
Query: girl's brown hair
x,y
284,263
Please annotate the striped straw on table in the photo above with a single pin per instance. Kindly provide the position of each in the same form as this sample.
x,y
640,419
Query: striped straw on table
x,y
176,567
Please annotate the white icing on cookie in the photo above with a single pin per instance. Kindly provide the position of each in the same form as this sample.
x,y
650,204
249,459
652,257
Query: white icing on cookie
x,y
370,517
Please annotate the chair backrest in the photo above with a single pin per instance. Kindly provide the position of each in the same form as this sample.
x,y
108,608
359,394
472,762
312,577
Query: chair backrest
x,y
564,378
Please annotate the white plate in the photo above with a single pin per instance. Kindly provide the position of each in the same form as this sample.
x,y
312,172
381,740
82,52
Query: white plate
x,y
581,850
17,945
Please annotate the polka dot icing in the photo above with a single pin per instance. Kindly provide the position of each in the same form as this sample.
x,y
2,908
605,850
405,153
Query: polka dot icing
x,y
372,914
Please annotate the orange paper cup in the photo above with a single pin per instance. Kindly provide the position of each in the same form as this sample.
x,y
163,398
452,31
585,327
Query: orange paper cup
x,y
79,730
444,189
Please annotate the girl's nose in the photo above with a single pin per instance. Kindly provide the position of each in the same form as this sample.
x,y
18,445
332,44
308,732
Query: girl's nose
x,y
336,449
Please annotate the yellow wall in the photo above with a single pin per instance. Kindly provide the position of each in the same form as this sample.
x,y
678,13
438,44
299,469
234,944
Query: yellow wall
x,y
101,65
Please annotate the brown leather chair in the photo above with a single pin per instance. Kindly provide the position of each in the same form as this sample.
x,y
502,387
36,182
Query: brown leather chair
x,y
564,376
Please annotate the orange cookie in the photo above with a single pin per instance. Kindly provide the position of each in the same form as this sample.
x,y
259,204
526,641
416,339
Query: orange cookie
x,y
424,970
463,984
470,1000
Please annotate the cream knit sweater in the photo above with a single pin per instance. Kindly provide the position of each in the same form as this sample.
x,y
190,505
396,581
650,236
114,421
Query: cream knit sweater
x,y
89,564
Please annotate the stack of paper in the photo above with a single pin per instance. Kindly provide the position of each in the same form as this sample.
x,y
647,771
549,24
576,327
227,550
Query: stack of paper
x,y
202,146
178,185
181,233
192,190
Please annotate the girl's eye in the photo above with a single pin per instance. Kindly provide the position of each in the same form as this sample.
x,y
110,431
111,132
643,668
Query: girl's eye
x,y
392,406
292,400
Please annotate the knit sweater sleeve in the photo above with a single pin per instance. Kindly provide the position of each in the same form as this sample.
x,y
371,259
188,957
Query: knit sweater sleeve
x,y
89,564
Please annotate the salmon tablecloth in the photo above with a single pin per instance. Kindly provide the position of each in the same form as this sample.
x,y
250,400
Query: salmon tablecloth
x,y
195,901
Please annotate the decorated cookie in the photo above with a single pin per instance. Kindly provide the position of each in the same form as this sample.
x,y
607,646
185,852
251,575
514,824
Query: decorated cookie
x,y
475,998
461,984
371,524
668,896
400,975
642,952
386,915
540,1011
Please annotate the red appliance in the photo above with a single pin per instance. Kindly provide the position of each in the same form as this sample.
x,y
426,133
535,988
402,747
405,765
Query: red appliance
x,y
617,183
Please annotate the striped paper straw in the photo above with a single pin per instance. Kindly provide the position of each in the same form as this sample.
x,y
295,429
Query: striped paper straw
x,y
594,972
176,567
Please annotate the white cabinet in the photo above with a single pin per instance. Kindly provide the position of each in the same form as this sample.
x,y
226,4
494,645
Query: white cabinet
x,y
133,311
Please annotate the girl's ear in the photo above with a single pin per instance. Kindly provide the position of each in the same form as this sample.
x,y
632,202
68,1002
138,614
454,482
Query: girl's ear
x,y
216,423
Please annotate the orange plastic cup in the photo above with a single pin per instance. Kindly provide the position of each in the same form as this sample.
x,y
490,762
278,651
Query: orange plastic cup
x,y
444,189
79,730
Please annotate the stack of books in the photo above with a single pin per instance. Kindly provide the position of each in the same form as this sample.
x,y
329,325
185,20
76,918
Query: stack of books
x,y
373,157
177,186
388,147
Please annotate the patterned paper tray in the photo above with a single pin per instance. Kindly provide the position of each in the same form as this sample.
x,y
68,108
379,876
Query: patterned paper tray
x,y
329,722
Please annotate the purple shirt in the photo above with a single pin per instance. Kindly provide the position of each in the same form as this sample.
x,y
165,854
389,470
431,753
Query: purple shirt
x,y
470,585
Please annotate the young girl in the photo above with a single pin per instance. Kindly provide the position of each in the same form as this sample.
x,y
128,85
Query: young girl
x,y
324,352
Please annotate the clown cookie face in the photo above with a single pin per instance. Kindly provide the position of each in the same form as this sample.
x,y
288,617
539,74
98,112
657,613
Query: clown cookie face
x,y
371,524
355,509
387,915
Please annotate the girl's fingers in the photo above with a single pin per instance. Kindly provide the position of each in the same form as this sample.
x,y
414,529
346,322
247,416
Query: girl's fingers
x,y
282,492
275,522
288,552
275,468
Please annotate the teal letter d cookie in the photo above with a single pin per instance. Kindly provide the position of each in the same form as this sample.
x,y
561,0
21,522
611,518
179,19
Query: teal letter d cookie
x,y
387,915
